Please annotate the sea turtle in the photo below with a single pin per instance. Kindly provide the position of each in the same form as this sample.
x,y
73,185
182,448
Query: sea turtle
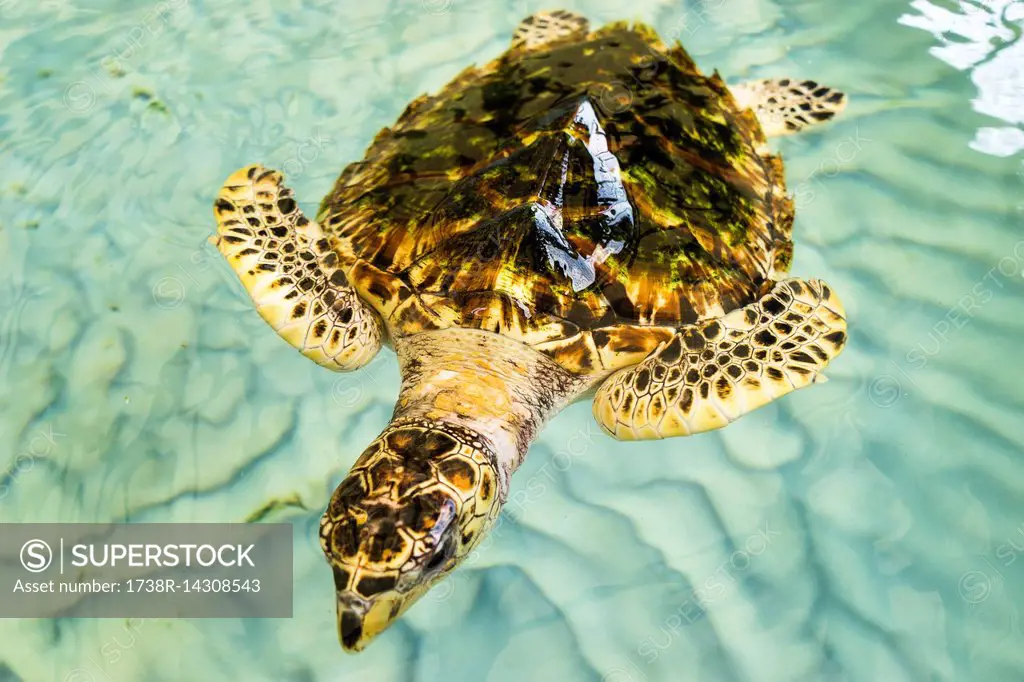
x,y
585,215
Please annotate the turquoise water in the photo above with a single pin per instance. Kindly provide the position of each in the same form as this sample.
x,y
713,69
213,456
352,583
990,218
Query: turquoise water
x,y
866,530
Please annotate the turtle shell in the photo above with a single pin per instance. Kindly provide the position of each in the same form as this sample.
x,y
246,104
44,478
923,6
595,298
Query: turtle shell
x,y
587,199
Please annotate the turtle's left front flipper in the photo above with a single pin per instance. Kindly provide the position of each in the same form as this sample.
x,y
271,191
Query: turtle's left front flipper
x,y
287,265
714,371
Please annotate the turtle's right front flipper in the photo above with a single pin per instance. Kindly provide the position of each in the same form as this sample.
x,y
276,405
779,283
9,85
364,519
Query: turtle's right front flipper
x,y
287,265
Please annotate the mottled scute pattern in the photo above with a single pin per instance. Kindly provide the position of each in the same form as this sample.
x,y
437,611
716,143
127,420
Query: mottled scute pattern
x,y
292,272
785,106
565,190
713,372
415,503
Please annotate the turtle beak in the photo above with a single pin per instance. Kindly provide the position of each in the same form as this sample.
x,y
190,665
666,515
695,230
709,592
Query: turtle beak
x,y
361,619
350,631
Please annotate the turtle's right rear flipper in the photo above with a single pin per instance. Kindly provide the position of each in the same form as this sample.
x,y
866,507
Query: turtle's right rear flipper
x,y
291,272
538,31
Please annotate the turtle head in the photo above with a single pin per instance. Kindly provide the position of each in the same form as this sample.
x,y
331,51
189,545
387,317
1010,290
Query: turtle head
x,y
415,504
421,497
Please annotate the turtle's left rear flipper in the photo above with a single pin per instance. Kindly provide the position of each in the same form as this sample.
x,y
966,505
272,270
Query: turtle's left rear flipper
x,y
291,272
785,106
714,371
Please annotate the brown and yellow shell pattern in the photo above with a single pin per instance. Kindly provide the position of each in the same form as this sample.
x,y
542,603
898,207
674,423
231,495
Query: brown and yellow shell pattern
x,y
585,199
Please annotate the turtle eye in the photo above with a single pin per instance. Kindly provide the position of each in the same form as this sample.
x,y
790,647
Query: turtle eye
x,y
443,534
441,555
444,520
